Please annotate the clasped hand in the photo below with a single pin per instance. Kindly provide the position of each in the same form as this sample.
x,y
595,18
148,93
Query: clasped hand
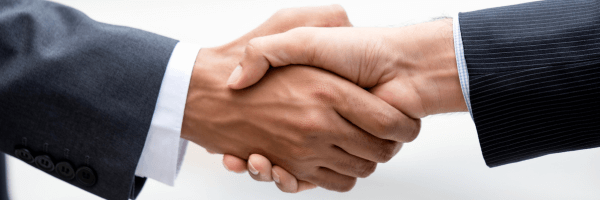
x,y
303,126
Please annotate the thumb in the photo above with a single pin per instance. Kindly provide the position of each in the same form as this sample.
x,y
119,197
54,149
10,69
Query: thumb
x,y
292,47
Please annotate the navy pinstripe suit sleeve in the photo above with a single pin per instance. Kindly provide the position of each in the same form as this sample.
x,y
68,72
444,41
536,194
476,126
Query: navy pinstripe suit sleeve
x,y
534,75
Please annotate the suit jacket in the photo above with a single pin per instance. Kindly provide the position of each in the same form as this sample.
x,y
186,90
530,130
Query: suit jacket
x,y
534,73
3,189
77,96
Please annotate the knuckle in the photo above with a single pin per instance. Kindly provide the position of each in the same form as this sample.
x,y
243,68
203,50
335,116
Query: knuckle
x,y
388,125
313,123
357,167
342,186
337,8
299,171
346,186
308,176
283,13
387,151
340,14
398,128
384,155
330,16
253,46
324,94
367,169
412,132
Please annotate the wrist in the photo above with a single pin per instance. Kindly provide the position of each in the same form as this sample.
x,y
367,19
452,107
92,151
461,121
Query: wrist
x,y
435,76
206,80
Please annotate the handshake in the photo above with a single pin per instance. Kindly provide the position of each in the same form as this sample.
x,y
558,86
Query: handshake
x,y
306,100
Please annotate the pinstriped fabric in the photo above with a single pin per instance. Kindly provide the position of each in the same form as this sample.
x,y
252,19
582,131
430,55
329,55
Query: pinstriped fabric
x,y
534,78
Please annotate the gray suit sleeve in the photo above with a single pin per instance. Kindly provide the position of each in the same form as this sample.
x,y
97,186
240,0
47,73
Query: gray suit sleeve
x,y
77,96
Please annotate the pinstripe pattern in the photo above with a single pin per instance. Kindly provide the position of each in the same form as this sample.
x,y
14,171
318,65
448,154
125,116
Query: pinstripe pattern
x,y
534,78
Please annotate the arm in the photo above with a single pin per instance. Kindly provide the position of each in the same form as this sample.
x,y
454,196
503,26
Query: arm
x,y
297,121
412,68
163,152
3,188
76,91
532,75
533,78
209,66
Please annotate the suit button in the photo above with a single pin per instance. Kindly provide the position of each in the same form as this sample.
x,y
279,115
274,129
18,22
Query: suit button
x,y
65,170
44,162
86,176
24,155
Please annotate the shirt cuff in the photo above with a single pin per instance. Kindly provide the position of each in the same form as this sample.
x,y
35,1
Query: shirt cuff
x,y
463,73
164,150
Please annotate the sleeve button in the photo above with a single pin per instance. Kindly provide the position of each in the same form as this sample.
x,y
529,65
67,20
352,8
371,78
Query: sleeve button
x,y
86,176
65,170
24,155
44,162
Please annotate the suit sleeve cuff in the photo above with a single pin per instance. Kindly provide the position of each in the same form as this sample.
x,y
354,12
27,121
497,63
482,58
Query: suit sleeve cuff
x,y
463,73
164,150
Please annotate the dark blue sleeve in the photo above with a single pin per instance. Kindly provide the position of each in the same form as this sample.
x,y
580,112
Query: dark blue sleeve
x,y
534,75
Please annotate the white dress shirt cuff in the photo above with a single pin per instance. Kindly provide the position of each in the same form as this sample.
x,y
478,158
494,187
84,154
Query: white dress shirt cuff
x,y
463,73
164,150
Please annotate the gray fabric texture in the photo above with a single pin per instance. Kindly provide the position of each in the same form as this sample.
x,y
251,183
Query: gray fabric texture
x,y
78,90
3,189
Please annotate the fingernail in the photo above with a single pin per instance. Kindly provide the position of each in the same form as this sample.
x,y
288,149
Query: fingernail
x,y
252,169
227,168
275,177
235,75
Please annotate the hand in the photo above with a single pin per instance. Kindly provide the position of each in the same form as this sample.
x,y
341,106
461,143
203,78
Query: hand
x,y
316,125
412,68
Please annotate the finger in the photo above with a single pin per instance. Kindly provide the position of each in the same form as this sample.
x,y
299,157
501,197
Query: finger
x,y
347,52
364,145
346,164
331,180
234,164
287,182
369,147
374,115
303,186
259,168
289,18
274,50
297,46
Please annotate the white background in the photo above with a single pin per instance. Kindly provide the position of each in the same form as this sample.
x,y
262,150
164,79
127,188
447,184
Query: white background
x,y
445,162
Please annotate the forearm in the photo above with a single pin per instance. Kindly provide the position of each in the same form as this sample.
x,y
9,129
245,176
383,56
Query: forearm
x,y
424,75
164,149
533,78
436,74
77,90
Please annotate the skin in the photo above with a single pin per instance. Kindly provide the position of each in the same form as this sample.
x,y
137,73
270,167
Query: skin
x,y
320,127
413,68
